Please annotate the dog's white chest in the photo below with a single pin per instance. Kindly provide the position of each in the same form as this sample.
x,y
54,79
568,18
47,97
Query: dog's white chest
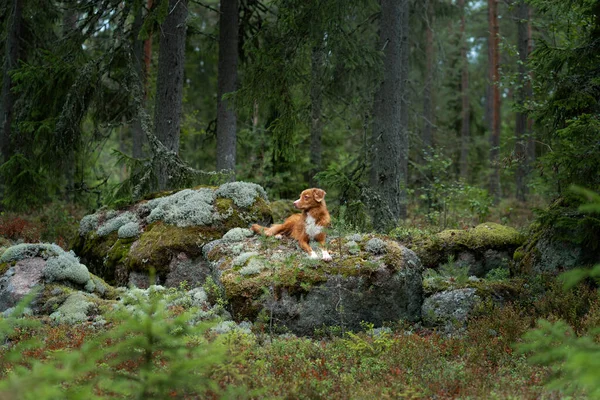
x,y
312,229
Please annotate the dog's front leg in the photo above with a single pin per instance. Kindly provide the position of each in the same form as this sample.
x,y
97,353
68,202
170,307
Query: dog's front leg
x,y
321,239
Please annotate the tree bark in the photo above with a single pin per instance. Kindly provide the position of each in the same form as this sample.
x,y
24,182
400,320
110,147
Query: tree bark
x,y
11,61
316,104
428,104
169,85
227,81
464,90
390,116
529,93
494,64
523,88
139,58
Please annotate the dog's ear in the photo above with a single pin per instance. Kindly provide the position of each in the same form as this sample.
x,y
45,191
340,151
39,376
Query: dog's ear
x,y
319,195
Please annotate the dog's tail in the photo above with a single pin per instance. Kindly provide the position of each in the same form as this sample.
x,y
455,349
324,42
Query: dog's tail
x,y
258,229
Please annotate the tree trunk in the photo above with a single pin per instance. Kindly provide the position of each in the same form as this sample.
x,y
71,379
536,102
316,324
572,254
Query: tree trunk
x,y
494,64
227,81
11,60
428,106
529,94
169,85
139,58
316,104
464,90
390,117
521,124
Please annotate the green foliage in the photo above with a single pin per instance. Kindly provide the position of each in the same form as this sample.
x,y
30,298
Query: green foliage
x,y
446,201
148,354
567,86
26,183
448,276
573,359
498,274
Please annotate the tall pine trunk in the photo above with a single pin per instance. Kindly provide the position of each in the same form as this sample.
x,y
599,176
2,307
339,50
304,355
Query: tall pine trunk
x,y
428,104
523,93
464,91
529,93
142,69
316,104
11,60
227,81
169,85
390,116
494,75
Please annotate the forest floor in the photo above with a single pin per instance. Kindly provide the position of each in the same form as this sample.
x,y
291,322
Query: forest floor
x,y
402,360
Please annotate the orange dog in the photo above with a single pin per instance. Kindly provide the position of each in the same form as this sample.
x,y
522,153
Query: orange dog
x,y
308,225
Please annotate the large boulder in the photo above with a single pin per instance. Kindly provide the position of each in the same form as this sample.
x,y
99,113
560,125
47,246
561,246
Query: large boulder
x,y
450,309
371,279
483,248
166,233
563,238
56,275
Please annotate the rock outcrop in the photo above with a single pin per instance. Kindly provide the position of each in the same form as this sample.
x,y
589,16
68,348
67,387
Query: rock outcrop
x,y
482,248
370,279
166,233
61,282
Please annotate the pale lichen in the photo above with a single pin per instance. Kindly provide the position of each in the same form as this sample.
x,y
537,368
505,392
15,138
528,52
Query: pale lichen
x,y
243,194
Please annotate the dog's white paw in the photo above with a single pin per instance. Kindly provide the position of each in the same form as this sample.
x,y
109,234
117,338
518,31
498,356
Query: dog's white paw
x,y
326,256
313,255
279,237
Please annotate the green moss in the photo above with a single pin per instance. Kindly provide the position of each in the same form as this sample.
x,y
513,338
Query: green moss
x,y
296,274
282,209
223,205
435,249
259,211
4,267
92,249
160,241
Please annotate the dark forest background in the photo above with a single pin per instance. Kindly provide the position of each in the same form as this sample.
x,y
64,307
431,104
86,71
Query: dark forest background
x,y
421,112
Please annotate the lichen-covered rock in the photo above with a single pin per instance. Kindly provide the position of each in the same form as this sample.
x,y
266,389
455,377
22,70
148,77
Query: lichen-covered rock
x,y
154,234
548,252
275,278
449,309
470,247
43,266
76,309
237,234
563,237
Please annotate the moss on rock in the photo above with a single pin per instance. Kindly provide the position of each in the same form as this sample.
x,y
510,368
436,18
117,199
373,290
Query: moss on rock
x,y
290,279
434,250
282,209
168,224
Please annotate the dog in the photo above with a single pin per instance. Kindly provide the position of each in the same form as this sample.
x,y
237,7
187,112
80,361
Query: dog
x,y
306,226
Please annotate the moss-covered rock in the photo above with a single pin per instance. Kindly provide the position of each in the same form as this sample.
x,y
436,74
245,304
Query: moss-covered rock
x,y
274,277
563,238
471,246
282,209
50,270
156,233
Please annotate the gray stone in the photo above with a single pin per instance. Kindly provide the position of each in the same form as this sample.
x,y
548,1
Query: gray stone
x,y
556,255
18,281
353,288
193,271
450,308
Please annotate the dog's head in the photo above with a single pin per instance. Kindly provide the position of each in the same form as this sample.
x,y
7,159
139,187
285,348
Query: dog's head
x,y
310,198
